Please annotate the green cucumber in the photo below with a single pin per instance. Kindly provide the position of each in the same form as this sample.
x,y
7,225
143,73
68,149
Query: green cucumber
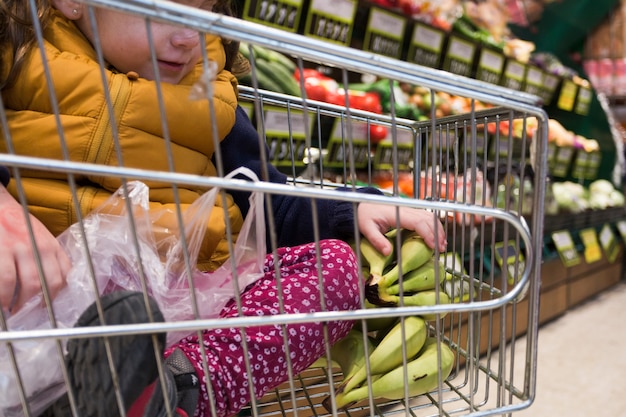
x,y
283,60
280,76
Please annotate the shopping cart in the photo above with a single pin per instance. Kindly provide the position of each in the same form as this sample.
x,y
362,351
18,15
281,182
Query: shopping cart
x,y
484,182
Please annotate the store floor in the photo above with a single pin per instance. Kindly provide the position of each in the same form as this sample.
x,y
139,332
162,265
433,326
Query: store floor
x,y
581,366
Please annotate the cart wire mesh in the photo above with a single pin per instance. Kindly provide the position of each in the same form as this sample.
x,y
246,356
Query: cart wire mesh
x,y
482,180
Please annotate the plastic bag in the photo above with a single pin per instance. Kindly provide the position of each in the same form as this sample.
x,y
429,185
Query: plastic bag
x,y
117,258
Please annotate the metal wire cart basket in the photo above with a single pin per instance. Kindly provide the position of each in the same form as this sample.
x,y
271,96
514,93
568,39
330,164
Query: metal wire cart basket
x,y
481,170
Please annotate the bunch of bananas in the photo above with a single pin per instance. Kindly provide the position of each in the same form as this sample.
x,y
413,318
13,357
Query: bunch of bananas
x,y
384,361
416,280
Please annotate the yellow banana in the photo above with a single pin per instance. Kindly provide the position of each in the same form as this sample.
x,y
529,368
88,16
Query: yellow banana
x,y
389,352
422,375
420,279
413,253
423,299
376,261
349,352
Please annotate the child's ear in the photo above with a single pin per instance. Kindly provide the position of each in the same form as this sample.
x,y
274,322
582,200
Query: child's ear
x,y
70,9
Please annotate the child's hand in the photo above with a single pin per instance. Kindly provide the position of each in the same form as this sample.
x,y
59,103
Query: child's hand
x,y
375,220
19,279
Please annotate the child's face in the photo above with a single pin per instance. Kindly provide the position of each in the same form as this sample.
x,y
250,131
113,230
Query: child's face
x,y
125,43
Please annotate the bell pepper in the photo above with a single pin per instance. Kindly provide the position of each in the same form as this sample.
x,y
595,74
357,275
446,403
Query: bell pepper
x,y
320,87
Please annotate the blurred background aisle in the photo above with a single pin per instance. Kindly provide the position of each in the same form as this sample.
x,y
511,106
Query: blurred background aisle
x,y
582,360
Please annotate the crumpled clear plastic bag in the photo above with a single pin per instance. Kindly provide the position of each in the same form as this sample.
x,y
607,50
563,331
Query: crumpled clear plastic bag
x,y
118,258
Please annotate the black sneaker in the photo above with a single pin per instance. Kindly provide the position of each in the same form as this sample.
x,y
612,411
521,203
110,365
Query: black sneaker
x,y
182,390
133,355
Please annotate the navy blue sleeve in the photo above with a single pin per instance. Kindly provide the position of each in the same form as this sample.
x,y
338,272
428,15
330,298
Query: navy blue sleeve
x,y
5,176
293,215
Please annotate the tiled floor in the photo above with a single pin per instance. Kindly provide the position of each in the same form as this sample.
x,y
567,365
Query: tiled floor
x,y
581,368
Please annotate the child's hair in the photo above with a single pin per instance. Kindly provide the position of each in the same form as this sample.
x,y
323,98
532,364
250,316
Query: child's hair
x,y
17,35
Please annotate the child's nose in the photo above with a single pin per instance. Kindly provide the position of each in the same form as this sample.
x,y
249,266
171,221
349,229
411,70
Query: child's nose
x,y
185,38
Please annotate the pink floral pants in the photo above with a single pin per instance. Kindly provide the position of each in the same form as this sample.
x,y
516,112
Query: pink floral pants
x,y
300,294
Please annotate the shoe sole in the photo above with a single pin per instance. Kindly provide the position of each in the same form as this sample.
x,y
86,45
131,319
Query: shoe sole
x,y
133,356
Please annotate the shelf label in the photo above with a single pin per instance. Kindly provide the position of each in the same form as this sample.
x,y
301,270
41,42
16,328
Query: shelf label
x,y
589,238
331,20
513,76
426,45
385,33
609,243
285,136
282,14
562,161
565,247
510,260
460,56
384,155
586,165
340,150
550,83
534,81
490,66
583,101
567,97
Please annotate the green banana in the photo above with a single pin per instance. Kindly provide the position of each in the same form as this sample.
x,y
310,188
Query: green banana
x,y
420,279
422,375
423,299
349,353
376,261
414,253
389,352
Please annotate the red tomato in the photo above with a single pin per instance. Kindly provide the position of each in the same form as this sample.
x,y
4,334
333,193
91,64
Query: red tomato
x,y
315,91
365,101
377,133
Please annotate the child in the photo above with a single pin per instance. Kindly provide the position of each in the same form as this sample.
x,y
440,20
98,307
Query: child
x,y
132,82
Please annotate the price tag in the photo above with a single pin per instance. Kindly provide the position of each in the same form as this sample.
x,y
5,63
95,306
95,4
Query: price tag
x,y
621,227
282,14
513,76
490,66
460,56
579,167
550,83
562,161
331,20
565,247
567,97
285,136
586,164
340,150
534,81
583,101
510,260
609,243
384,156
426,44
590,242
385,33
